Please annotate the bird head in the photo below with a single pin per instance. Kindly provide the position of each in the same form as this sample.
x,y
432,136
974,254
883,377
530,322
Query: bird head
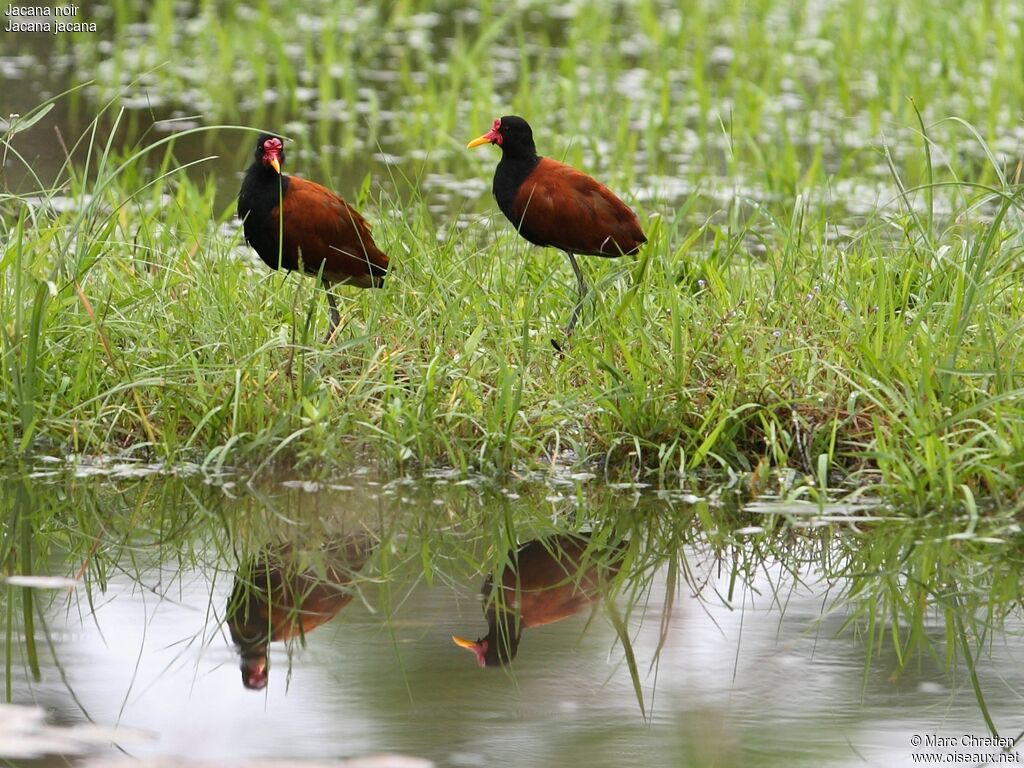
x,y
255,669
493,136
500,645
511,133
478,647
270,151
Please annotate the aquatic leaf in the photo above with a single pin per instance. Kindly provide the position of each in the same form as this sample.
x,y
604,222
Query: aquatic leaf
x,y
17,123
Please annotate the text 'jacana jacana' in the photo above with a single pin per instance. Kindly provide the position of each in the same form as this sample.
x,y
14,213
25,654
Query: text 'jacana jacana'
x,y
551,203
297,224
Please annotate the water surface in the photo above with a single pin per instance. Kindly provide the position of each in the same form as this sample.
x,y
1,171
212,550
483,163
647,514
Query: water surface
x,y
740,640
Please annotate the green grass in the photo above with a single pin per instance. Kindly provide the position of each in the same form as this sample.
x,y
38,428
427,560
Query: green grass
x,y
829,304
775,320
136,322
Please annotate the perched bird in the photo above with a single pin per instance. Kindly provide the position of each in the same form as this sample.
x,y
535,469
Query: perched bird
x,y
551,203
548,580
297,224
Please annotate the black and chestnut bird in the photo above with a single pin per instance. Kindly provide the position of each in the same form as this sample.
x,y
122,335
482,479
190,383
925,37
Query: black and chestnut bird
x,y
546,581
297,224
277,596
551,203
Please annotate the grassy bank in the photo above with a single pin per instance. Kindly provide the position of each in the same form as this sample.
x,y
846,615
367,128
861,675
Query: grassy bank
x,y
136,321
831,284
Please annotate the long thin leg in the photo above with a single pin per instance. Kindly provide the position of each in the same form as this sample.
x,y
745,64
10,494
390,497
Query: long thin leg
x,y
335,315
583,293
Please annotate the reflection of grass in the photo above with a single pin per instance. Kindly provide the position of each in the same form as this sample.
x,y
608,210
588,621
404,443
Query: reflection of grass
x,y
930,580
897,583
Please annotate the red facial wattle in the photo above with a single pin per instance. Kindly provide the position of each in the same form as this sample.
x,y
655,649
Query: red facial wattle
x,y
273,150
481,653
494,135
254,674
479,648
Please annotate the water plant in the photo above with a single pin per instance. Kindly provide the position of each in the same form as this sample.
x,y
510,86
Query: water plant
x,y
832,297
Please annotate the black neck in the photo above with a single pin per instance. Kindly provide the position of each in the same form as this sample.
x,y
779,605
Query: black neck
x,y
262,190
263,178
512,171
503,637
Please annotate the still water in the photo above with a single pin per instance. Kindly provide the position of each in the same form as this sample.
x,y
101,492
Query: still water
x,y
739,640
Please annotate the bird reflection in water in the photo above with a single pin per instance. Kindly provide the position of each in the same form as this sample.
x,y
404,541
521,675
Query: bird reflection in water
x,y
547,580
283,594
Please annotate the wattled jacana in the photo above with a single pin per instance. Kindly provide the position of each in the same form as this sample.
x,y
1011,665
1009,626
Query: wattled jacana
x,y
297,224
551,203
277,596
547,580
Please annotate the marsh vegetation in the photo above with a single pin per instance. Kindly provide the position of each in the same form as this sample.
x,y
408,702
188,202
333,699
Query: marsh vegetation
x,y
805,390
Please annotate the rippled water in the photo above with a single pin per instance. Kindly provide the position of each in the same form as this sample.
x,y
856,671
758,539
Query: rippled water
x,y
741,650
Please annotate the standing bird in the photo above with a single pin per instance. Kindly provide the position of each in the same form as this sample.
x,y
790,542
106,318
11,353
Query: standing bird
x,y
298,224
551,203
546,581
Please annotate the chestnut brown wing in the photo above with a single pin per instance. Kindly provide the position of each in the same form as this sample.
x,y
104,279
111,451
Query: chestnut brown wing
x,y
556,578
321,228
559,206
